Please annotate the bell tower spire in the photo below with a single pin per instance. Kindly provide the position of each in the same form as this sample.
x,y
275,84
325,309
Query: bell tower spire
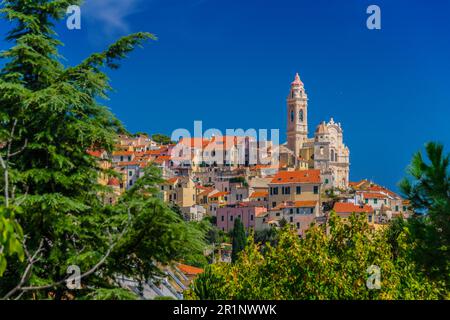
x,y
297,120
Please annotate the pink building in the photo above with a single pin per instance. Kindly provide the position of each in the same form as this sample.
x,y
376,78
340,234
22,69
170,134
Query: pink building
x,y
227,215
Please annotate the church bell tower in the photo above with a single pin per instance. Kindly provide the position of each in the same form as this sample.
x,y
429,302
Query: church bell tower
x,y
297,117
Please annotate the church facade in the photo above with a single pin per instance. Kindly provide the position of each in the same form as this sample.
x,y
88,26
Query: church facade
x,y
325,150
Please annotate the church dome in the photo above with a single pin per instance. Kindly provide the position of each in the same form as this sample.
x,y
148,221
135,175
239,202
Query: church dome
x,y
322,128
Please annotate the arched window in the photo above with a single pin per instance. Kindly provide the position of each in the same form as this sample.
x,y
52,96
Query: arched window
x,y
332,155
335,157
300,115
292,115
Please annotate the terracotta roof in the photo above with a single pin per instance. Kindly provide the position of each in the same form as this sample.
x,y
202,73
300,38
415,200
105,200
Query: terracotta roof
x,y
301,176
218,194
189,270
372,195
206,192
123,153
171,180
341,207
114,182
259,194
377,188
95,153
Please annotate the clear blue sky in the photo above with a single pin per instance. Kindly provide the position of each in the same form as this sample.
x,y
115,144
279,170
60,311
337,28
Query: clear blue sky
x,y
229,63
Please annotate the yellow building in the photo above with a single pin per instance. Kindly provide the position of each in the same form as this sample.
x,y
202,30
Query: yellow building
x,y
288,186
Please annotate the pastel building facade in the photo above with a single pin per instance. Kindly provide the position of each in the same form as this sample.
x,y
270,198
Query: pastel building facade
x,y
227,215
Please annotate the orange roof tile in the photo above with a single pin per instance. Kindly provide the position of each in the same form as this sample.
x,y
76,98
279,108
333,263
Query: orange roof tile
x,y
171,180
342,207
259,194
372,195
189,270
300,176
218,194
114,182
123,153
95,153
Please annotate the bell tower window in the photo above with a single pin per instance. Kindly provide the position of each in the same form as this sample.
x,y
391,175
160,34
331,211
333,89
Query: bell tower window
x,y
292,115
300,115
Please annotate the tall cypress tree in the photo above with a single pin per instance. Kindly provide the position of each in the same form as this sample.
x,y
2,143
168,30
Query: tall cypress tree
x,y
239,239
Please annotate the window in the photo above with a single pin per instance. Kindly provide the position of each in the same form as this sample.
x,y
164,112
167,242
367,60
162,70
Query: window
x,y
251,217
300,115
162,188
231,218
298,225
370,218
316,189
222,218
375,201
291,219
277,214
130,173
121,158
174,196
332,155
287,190
326,181
274,204
275,190
292,115
366,200
129,158
298,190
396,208
291,211
131,183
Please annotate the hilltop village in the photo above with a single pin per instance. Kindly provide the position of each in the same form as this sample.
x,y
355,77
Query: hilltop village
x,y
309,179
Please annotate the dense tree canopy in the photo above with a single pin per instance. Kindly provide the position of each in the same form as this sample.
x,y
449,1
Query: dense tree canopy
x,y
50,116
323,265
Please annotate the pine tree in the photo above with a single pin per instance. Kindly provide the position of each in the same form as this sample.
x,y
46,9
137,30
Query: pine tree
x,y
428,191
54,187
239,239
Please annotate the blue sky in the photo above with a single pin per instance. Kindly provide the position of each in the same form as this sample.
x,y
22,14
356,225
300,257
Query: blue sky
x,y
230,63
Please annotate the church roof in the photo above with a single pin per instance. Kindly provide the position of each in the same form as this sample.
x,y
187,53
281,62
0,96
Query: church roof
x,y
297,81
322,128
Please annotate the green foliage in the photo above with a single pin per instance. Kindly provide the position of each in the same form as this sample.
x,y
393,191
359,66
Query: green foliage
x,y
112,294
239,239
428,191
161,139
266,236
58,113
322,265
10,235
